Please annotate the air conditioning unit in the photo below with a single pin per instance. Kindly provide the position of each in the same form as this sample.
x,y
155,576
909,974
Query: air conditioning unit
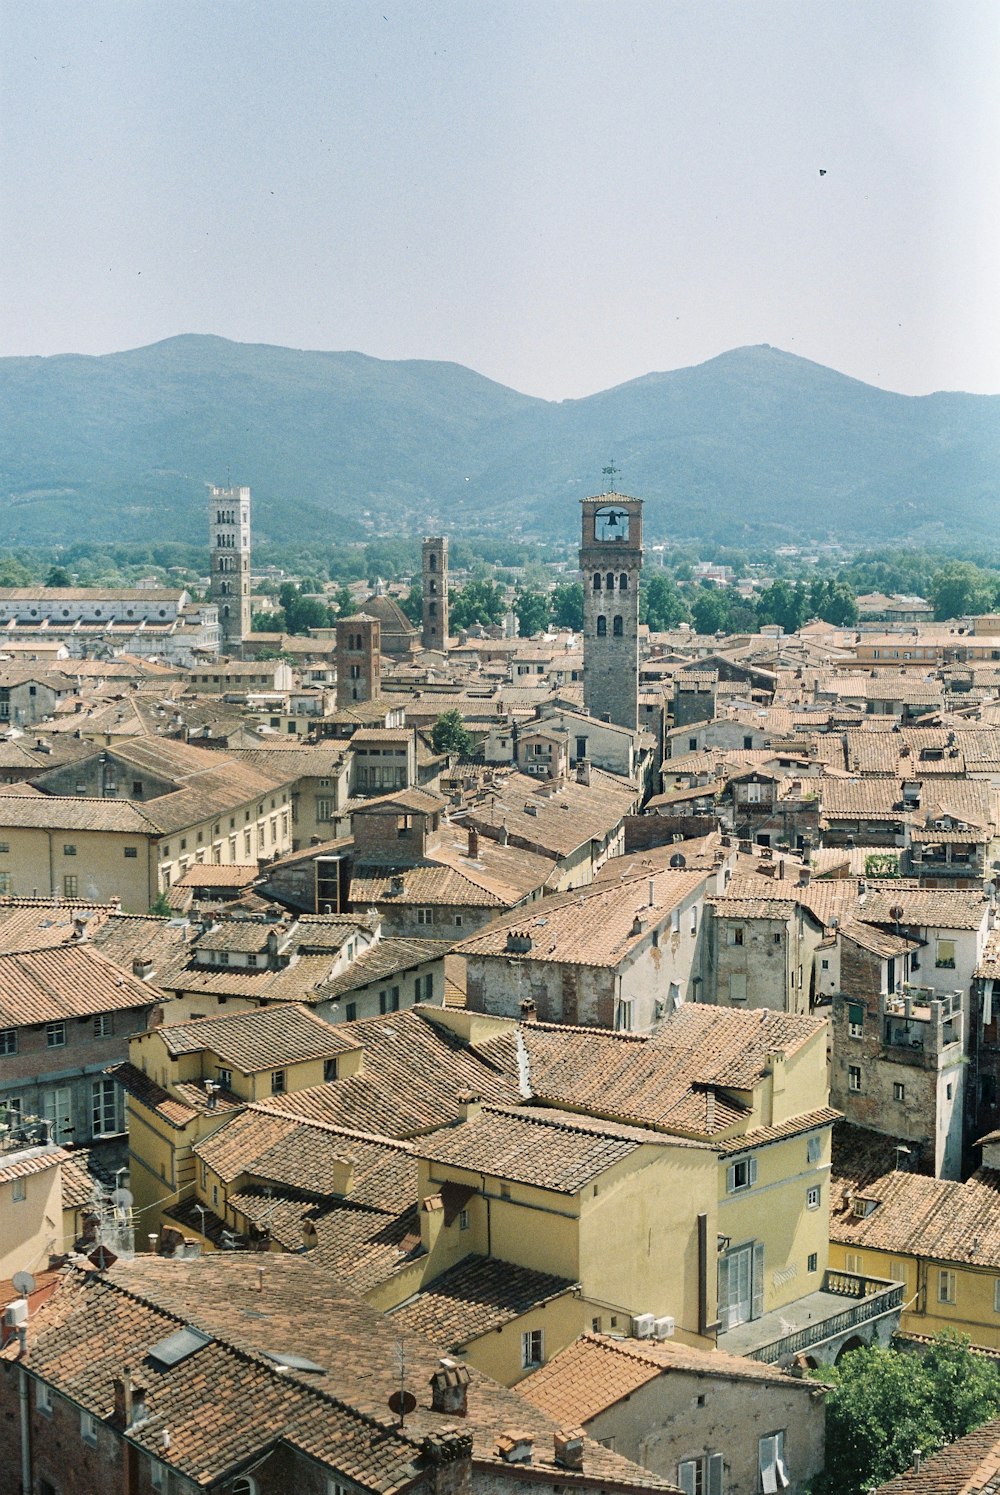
x,y
663,1328
642,1326
15,1315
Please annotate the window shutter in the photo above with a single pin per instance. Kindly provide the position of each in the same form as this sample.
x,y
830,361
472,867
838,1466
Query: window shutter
x,y
767,1456
757,1287
686,1475
752,1170
730,1179
715,1474
814,1149
724,1292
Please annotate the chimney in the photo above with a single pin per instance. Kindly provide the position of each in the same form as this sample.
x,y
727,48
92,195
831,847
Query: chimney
x,y
396,886
469,1104
515,1448
504,835
583,771
529,1010
917,1458
79,929
652,892
272,948
142,967
129,1399
568,1448
473,844
450,1388
804,876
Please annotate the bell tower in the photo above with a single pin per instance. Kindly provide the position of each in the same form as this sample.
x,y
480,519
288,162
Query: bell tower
x,y
611,562
229,562
434,581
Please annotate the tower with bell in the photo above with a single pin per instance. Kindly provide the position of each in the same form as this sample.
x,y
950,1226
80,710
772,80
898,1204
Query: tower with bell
x,y
611,563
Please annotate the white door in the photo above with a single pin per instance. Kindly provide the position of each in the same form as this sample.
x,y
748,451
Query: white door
x,y
740,1285
57,1108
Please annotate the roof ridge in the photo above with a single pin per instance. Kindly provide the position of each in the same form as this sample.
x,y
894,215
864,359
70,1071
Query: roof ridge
x,y
400,1144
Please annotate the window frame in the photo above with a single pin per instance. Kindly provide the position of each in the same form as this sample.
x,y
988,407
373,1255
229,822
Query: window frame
x,y
530,1338
738,1182
776,1463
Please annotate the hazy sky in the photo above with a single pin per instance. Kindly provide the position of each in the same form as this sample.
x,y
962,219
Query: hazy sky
x,y
560,195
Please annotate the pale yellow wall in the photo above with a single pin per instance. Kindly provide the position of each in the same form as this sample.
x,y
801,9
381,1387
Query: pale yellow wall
x,y
223,839
971,1314
297,1077
639,1233
38,866
774,1211
31,1228
498,1353
632,1244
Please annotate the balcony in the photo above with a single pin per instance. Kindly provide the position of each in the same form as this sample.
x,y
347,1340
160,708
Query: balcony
x,y
847,1306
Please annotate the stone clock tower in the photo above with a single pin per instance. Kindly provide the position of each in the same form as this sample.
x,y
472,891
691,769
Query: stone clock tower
x,y
611,560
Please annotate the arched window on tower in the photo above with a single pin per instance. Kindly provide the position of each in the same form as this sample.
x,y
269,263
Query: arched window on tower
x,y
602,626
597,581
618,629
433,585
609,581
432,563
432,608
623,582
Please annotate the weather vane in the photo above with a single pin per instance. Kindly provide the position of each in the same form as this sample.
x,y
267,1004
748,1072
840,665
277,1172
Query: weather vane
x,y
611,472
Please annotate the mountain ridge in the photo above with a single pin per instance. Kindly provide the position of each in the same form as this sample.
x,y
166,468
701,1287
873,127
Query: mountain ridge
x,y
753,445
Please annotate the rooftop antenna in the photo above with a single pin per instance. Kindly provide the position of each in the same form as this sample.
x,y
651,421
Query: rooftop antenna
x,y
402,1401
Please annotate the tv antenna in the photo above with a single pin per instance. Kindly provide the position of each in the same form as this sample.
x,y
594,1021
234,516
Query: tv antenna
x,y
402,1402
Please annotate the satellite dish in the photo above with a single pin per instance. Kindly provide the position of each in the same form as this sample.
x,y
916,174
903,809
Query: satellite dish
x,y
122,1198
402,1403
678,860
23,1283
896,913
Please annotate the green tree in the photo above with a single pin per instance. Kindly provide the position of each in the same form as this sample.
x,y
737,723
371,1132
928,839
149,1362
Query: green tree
x,y
302,613
268,622
567,606
477,602
413,604
346,606
58,577
662,604
885,1403
710,611
533,612
160,907
448,734
959,589
966,1387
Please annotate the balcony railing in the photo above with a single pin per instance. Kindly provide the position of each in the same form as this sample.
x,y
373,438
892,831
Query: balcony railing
x,y
874,1298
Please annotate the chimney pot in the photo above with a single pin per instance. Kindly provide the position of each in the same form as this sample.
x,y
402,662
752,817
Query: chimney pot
x,y
473,844
568,1448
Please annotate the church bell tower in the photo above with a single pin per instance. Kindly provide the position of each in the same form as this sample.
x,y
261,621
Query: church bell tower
x,y
611,562
229,562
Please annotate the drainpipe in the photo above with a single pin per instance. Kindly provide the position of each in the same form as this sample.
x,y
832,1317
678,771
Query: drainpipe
x,y
26,1471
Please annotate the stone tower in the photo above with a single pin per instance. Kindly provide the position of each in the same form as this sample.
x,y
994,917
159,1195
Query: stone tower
x,y
359,660
611,560
434,577
229,538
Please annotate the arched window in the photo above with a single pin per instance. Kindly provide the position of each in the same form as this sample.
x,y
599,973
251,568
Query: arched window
x,y
432,564
609,581
433,585
623,582
244,1485
602,626
597,581
618,629
432,609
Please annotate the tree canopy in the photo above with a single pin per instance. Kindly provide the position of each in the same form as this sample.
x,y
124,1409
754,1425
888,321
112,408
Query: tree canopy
x,y
448,734
886,1403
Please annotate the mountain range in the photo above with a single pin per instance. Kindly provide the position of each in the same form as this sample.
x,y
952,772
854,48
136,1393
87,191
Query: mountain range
x,y
756,446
